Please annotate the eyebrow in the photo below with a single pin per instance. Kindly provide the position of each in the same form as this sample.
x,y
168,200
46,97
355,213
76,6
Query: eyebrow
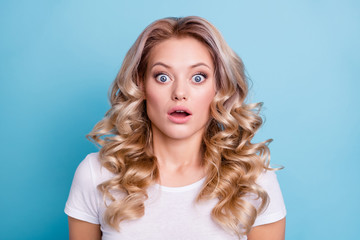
x,y
192,66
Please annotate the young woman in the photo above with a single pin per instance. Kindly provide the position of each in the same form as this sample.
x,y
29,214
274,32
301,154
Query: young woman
x,y
176,158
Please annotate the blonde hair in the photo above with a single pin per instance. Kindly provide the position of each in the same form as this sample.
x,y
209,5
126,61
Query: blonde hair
x,y
231,161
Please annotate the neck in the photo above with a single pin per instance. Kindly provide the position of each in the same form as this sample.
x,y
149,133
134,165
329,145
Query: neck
x,y
179,160
177,153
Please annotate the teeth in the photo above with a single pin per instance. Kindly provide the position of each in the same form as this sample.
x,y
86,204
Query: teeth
x,y
180,111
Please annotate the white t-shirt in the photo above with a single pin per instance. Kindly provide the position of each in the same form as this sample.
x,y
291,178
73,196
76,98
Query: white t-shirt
x,y
170,212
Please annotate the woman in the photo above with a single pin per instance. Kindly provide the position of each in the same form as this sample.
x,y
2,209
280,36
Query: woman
x,y
176,158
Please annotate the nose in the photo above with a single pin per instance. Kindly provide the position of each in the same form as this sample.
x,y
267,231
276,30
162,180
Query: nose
x,y
180,91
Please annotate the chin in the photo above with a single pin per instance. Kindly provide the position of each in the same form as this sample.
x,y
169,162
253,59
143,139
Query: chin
x,y
181,133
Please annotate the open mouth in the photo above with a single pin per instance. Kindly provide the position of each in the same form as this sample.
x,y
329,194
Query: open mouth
x,y
179,113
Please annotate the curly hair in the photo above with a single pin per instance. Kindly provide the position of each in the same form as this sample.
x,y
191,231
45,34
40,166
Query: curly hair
x,y
232,162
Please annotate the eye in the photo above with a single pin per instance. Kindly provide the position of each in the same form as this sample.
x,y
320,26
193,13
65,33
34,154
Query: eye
x,y
198,78
161,77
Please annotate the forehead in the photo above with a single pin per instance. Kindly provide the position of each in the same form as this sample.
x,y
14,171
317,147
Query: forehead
x,y
184,51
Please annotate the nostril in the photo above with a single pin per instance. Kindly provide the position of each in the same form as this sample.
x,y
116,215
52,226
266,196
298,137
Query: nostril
x,y
177,97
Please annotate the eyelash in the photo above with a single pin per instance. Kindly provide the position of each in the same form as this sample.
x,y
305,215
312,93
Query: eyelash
x,y
157,74
201,74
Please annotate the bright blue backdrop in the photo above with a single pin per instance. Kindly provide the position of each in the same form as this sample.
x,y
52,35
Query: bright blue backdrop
x,y
58,58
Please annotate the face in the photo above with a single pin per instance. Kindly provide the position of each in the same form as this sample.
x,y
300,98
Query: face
x,y
179,87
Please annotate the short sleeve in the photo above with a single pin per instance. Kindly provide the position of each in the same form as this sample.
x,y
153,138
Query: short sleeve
x,y
83,199
276,210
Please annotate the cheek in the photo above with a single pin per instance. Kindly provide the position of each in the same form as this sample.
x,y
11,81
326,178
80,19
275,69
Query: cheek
x,y
203,102
206,97
151,102
154,100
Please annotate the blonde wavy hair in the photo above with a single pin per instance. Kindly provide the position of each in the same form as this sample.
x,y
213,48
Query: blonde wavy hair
x,y
232,161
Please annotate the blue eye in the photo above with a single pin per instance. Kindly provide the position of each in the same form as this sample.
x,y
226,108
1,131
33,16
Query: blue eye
x,y
198,78
162,78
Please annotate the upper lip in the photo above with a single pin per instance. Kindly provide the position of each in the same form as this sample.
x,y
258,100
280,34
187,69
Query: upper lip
x,y
178,109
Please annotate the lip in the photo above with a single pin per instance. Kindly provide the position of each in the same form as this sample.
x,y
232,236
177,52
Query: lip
x,y
176,119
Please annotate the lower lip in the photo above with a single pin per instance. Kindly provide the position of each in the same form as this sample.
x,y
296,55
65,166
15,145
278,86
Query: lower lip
x,y
179,120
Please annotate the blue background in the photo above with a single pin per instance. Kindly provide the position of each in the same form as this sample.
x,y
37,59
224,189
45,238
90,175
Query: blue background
x,y
58,59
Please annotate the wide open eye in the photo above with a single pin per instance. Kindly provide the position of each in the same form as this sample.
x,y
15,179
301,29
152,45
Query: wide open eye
x,y
198,78
163,78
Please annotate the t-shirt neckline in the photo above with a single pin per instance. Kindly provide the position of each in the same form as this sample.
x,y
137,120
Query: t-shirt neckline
x,y
185,188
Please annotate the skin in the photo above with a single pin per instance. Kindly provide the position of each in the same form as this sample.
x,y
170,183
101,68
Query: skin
x,y
170,80
179,62
271,231
81,230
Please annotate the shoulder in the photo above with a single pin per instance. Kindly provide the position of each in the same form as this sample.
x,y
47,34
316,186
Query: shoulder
x,y
90,170
267,178
84,198
275,209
